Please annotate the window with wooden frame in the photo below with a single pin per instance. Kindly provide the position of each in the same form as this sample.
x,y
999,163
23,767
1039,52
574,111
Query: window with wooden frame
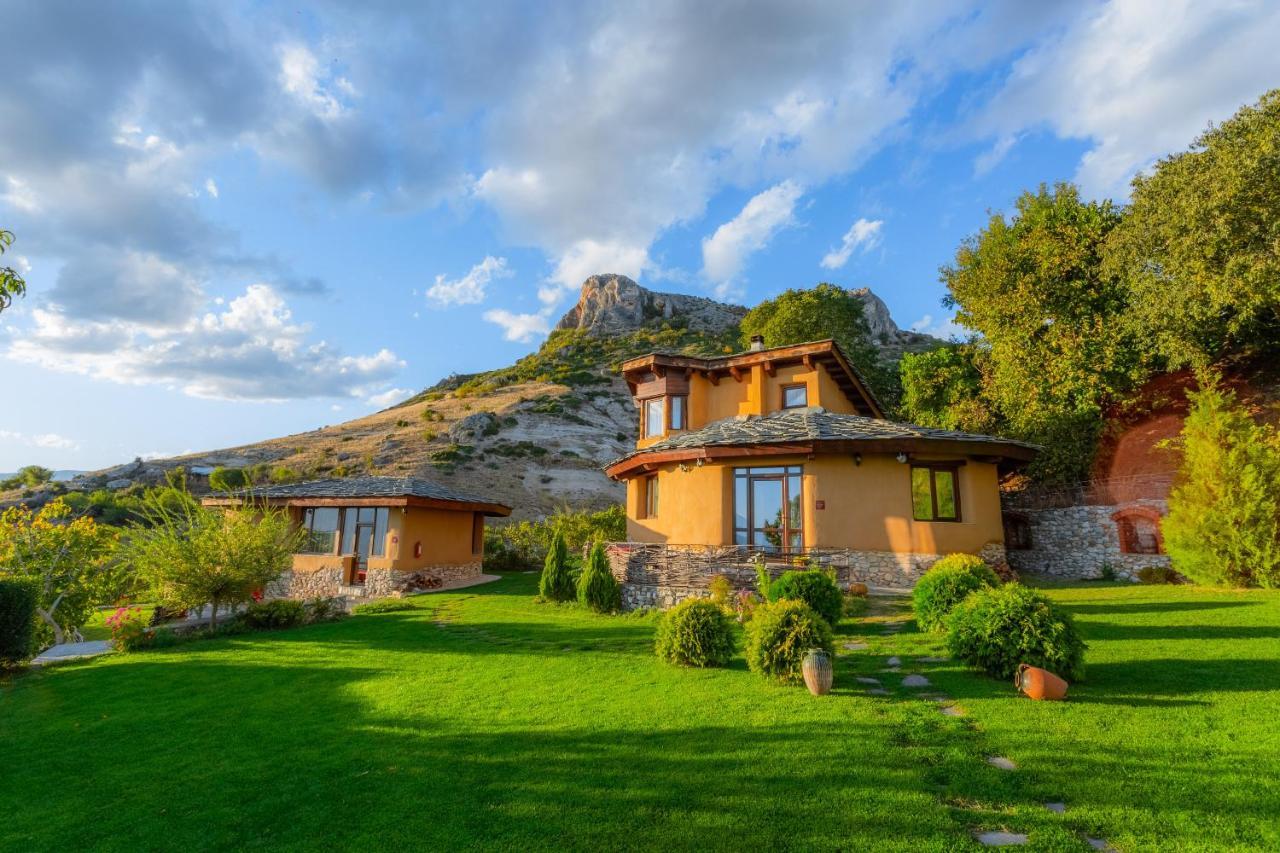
x,y
676,412
321,525
795,396
649,496
768,508
477,533
652,417
935,492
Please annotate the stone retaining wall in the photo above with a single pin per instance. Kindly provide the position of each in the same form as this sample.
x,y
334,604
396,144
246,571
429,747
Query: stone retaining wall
x,y
661,576
1078,541
379,583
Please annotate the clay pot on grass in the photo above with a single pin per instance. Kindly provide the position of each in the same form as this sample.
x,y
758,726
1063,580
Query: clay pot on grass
x,y
817,672
1040,683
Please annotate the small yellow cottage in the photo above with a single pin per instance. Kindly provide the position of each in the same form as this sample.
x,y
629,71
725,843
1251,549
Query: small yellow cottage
x,y
374,536
785,452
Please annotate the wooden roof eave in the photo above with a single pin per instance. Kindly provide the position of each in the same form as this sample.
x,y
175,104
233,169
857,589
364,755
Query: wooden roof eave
x,y
1009,455
495,510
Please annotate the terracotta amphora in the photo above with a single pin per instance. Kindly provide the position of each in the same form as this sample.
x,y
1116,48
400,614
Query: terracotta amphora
x,y
1040,683
817,672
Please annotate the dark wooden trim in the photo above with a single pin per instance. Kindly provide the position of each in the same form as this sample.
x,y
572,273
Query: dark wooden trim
x,y
933,468
736,373
490,509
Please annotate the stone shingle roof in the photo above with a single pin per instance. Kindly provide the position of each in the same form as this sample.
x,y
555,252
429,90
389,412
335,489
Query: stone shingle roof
x,y
364,487
814,424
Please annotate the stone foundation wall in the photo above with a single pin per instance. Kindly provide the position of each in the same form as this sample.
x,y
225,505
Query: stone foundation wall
x,y
662,576
1077,541
379,583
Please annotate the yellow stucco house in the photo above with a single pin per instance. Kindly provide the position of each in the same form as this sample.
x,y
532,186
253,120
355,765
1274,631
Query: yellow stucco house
x,y
376,536
785,452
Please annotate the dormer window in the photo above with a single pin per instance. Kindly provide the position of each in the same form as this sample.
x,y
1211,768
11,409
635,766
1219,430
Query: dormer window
x,y
795,396
654,417
677,413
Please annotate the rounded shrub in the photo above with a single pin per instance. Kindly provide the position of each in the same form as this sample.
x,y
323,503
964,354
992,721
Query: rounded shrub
x,y
998,628
17,620
779,635
270,615
597,587
945,585
695,632
814,588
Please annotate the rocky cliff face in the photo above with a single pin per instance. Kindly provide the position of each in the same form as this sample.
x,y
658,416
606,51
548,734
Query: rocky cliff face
x,y
885,334
612,304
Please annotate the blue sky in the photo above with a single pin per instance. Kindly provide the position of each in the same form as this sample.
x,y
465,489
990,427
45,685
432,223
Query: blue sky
x,y
245,220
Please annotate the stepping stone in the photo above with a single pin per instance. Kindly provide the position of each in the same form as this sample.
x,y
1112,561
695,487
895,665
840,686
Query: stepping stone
x,y
935,697
894,661
865,680
1001,762
953,711
73,651
856,647
891,669
1099,844
933,660
915,680
1002,839
1056,808
877,691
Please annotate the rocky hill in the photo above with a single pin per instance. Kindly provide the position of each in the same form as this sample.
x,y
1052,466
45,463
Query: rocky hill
x,y
532,435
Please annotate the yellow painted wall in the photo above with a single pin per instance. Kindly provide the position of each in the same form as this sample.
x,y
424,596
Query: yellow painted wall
x,y
867,506
445,536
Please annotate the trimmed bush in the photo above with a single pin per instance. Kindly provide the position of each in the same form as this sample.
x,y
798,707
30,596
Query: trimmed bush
x,y
384,605
695,632
945,585
780,633
997,629
269,615
324,608
17,620
556,583
597,587
814,588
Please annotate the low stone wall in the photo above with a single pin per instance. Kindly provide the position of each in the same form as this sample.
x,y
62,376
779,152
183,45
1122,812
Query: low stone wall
x,y
1078,541
664,575
379,583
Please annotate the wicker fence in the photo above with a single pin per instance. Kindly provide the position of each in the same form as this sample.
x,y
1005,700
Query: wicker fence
x,y
1108,491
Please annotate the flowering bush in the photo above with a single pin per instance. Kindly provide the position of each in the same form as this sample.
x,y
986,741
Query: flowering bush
x,y
130,629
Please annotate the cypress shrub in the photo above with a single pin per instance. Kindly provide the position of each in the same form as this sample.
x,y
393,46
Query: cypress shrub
x,y
779,635
695,632
814,588
597,587
997,629
555,583
947,583
17,620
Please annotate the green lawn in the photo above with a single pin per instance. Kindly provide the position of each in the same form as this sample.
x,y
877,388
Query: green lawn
x,y
482,720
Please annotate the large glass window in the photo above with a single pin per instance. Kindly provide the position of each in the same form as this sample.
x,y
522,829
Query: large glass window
x,y
677,412
321,526
364,529
935,494
653,417
768,508
650,486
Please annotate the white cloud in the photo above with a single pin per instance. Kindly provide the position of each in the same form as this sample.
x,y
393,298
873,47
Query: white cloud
x,y
211,187
587,258
520,327
725,251
388,397
300,76
470,289
863,234
989,159
1138,80
23,265
252,350
945,328
44,440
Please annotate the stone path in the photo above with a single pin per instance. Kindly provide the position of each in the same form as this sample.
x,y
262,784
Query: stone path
x,y
915,680
1001,839
1002,763
1056,808
73,651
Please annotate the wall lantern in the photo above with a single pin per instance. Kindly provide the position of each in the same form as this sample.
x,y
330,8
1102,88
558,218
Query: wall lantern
x,y
857,459
902,457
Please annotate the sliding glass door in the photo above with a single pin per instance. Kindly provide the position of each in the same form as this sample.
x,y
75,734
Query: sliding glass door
x,y
768,508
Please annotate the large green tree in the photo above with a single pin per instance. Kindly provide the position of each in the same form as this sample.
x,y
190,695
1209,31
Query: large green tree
x,y
943,388
817,313
1051,319
12,283
1200,244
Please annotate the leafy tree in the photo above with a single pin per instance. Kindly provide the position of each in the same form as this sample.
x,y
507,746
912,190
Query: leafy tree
x,y
228,479
191,556
943,388
1052,320
1200,244
597,587
825,311
555,583
1223,525
12,283
29,476
70,560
